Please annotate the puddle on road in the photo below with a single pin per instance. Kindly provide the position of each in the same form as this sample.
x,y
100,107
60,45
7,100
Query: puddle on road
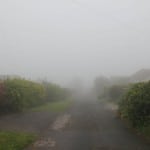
x,y
61,122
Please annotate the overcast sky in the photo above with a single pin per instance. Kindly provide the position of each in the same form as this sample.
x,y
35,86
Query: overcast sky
x,y
61,39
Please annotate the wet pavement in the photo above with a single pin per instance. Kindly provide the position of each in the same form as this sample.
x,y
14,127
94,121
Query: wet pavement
x,y
89,125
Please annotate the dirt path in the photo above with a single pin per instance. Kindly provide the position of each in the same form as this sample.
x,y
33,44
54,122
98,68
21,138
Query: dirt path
x,y
89,126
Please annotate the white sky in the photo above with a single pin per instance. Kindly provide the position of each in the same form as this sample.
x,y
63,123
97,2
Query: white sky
x,y
61,39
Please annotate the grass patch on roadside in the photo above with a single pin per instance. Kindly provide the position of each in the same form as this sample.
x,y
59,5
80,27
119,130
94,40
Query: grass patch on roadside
x,y
15,140
53,106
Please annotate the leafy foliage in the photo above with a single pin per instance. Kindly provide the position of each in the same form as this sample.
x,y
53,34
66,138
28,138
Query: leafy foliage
x,y
20,94
55,92
135,105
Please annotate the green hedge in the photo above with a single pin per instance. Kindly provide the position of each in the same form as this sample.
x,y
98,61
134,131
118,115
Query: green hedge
x,y
55,92
20,94
135,105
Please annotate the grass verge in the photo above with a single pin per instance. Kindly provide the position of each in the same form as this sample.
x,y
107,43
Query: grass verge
x,y
53,106
15,140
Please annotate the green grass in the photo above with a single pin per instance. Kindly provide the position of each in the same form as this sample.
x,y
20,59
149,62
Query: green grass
x,y
53,106
15,140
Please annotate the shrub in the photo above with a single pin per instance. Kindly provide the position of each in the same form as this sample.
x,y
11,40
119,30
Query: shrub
x,y
21,94
55,92
135,105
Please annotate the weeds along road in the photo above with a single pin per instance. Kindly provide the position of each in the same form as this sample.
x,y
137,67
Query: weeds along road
x,y
89,125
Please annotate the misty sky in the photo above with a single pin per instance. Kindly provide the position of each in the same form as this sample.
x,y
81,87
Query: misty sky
x,y
61,39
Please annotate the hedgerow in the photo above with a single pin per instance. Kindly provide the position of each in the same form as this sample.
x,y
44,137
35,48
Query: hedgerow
x,y
20,94
55,92
135,105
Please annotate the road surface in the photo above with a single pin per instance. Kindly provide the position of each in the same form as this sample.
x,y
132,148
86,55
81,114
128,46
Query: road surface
x,y
89,125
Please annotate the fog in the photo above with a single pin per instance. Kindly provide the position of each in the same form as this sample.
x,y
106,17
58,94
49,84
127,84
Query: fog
x,y
64,39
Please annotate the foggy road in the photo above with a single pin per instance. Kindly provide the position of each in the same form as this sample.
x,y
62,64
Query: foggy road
x,y
54,50
89,126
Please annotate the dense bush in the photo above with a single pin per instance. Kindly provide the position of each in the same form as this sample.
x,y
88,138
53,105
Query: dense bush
x,y
19,94
55,92
135,105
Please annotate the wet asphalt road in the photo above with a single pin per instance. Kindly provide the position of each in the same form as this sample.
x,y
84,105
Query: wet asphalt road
x,y
93,126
